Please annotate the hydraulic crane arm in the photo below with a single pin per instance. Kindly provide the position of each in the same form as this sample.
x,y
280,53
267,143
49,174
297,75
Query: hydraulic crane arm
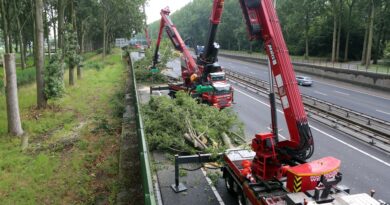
x,y
190,65
211,48
263,23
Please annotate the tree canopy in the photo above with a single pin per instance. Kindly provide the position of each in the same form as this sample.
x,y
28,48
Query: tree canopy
x,y
308,26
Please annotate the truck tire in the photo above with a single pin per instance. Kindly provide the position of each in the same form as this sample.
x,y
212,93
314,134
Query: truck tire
x,y
229,183
241,198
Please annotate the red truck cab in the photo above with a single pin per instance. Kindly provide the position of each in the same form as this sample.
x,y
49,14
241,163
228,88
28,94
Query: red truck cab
x,y
222,95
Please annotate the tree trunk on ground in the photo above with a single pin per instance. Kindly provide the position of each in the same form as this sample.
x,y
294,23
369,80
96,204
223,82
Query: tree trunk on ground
x,y
5,27
40,55
71,76
339,31
370,35
21,42
13,116
334,31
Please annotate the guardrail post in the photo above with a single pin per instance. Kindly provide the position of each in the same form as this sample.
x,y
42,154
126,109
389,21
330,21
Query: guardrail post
x,y
177,187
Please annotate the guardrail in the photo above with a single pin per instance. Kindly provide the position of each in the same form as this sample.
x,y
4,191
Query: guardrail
x,y
143,146
373,129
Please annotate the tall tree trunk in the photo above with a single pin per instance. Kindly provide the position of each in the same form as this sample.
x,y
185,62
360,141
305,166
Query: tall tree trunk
x,y
40,54
364,52
339,31
47,28
104,33
71,75
13,117
346,51
5,27
307,35
370,35
334,30
54,29
11,49
61,10
82,46
74,22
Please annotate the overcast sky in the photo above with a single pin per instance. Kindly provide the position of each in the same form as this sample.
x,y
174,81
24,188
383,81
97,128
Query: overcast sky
x,y
154,7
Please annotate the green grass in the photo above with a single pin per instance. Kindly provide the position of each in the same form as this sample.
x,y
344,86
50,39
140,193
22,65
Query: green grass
x,y
65,175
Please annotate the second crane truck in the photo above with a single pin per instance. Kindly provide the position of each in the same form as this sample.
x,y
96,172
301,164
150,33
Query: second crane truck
x,y
204,79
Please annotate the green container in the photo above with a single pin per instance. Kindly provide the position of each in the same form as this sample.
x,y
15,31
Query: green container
x,y
154,70
204,88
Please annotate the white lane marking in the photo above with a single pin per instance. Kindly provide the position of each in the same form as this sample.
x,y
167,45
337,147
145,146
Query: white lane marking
x,y
219,198
387,113
326,134
340,92
253,73
354,90
318,92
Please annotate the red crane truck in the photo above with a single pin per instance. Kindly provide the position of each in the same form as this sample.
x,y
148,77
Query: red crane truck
x,y
276,172
202,81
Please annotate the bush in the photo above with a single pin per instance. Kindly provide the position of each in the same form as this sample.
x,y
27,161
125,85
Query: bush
x,y
54,78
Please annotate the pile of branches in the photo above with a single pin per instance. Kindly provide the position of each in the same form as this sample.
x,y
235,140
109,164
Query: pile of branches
x,y
143,66
181,125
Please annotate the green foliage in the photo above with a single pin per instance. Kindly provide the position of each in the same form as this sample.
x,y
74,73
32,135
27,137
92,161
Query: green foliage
x,y
387,53
93,65
54,77
25,76
298,18
72,58
165,123
143,66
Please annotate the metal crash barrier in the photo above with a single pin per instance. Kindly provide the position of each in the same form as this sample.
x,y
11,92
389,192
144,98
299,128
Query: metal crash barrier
x,y
144,152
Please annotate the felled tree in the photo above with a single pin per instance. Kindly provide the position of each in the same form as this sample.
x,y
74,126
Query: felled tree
x,y
72,58
54,77
169,125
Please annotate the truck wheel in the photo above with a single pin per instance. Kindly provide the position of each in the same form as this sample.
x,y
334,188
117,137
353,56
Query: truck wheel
x,y
229,182
241,198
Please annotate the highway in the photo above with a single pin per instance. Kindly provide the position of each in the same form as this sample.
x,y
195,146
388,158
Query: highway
x,y
363,167
357,99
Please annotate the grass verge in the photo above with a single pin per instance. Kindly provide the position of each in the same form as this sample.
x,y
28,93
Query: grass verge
x,y
73,154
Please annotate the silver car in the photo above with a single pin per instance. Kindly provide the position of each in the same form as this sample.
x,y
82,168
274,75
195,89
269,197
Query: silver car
x,y
303,80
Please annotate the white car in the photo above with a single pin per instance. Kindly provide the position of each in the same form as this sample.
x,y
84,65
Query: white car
x,y
303,80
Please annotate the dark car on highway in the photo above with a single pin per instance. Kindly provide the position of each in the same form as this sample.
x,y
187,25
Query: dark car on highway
x,y
303,80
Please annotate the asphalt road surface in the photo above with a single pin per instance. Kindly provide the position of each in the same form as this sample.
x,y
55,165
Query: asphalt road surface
x,y
354,98
363,167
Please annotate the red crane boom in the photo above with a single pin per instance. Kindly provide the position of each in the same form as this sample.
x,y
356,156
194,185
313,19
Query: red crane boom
x,y
189,68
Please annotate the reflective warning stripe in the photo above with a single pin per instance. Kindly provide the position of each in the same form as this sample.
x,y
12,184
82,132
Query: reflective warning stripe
x,y
297,183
